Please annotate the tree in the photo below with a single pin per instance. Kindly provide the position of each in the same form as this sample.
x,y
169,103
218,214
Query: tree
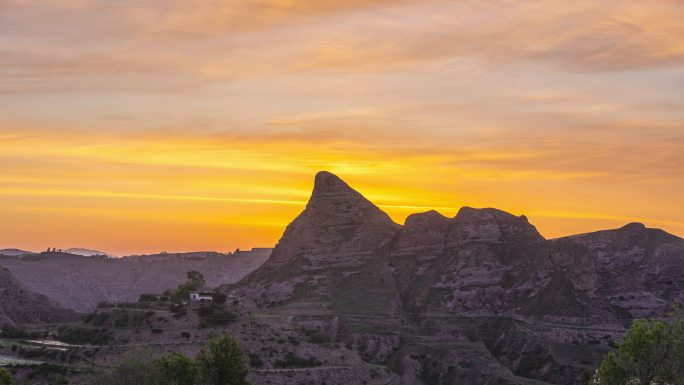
x,y
651,353
219,297
176,369
135,367
5,377
194,282
222,362
195,276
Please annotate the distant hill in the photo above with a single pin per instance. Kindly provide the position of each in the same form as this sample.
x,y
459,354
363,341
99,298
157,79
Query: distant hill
x,y
20,305
13,252
79,282
87,252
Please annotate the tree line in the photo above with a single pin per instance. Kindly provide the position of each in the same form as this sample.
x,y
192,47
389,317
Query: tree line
x,y
219,362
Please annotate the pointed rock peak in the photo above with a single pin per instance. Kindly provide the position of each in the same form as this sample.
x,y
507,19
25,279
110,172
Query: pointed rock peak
x,y
333,196
328,182
336,218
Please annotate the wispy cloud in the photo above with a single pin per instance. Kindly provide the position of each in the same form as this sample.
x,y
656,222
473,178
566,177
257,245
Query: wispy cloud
x,y
222,110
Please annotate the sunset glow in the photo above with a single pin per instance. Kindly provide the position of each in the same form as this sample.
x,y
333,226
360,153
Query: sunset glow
x,y
142,126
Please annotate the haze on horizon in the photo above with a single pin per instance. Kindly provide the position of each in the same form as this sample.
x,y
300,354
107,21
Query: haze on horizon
x,y
141,126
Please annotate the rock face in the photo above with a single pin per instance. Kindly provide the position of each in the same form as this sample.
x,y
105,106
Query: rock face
x,y
338,224
80,283
336,236
19,305
483,291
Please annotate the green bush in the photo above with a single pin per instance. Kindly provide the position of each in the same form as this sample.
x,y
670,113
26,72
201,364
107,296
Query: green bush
x,y
213,315
176,369
222,362
5,377
651,352
153,298
79,335
292,361
255,361
10,331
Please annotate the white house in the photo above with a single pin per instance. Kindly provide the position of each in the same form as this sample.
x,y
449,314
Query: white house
x,y
201,297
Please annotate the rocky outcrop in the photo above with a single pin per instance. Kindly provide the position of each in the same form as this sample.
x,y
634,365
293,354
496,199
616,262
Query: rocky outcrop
x,y
338,235
338,225
423,234
489,226
638,269
19,305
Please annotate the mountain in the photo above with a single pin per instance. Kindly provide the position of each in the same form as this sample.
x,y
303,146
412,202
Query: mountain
x,y
79,283
338,233
13,252
478,298
19,305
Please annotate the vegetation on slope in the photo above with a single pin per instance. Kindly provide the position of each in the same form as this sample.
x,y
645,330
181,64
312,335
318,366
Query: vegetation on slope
x,y
651,353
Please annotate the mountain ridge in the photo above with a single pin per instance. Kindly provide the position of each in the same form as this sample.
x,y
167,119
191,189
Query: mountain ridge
x,y
20,305
342,258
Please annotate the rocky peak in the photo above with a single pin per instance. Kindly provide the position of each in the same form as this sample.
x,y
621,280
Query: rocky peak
x,y
423,233
328,183
337,220
488,225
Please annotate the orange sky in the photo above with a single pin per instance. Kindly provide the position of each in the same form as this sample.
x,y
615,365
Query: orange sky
x,y
142,126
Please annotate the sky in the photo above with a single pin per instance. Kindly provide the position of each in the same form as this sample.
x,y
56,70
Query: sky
x,y
169,125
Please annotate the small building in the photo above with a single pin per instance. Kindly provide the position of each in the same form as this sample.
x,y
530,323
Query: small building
x,y
201,296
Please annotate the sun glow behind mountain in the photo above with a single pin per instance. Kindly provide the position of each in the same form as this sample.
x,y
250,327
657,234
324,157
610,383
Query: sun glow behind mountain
x,y
146,126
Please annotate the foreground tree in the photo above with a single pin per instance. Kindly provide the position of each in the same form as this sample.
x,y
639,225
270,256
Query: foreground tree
x,y
5,377
135,367
651,353
222,362
176,369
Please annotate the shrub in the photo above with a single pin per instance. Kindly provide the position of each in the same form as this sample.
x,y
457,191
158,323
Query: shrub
x,y
10,331
219,297
215,315
292,361
80,335
176,369
5,377
651,352
153,298
222,362
255,361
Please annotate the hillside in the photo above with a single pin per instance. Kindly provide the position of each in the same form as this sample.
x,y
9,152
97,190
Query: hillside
x,y
481,296
80,283
19,305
